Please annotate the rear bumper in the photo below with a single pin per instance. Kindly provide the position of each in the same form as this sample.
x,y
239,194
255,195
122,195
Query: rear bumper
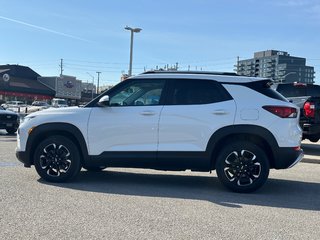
x,y
310,129
23,157
288,157
299,158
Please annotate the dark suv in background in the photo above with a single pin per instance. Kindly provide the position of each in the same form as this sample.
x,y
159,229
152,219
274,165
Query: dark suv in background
x,y
307,98
9,120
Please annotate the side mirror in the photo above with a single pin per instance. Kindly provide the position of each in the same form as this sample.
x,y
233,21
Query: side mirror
x,y
104,101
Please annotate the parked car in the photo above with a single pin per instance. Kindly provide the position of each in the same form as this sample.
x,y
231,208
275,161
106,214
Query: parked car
x,y
13,104
307,98
201,121
38,106
9,120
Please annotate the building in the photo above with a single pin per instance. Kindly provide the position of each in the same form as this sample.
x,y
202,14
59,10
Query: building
x,y
278,65
88,92
66,87
21,83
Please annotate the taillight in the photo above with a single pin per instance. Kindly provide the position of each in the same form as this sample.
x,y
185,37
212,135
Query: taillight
x,y
309,109
282,111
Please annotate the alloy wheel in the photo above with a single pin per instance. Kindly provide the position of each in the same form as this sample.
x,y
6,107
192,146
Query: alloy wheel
x,y
55,159
242,167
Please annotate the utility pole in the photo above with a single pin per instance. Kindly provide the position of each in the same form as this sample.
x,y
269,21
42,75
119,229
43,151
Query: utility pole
x,y
98,82
61,66
238,64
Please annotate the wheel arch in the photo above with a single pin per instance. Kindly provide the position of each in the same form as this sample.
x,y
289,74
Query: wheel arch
x,y
257,134
67,130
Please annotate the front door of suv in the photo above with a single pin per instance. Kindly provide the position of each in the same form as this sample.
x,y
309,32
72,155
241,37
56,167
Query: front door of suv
x,y
130,123
195,109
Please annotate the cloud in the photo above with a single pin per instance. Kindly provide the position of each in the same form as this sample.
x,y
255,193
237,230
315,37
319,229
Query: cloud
x,y
294,3
44,29
304,4
314,11
309,7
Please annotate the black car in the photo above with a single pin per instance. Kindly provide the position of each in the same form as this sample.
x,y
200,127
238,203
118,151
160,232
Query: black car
x,y
9,120
307,98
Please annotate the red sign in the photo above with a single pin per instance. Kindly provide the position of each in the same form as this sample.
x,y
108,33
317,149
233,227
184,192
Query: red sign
x,y
28,95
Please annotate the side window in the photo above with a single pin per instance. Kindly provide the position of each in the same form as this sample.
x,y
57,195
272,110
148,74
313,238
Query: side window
x,y
198,92
138,93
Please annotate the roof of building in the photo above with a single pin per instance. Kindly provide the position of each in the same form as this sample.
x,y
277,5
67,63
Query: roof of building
x,y
23,79
20,71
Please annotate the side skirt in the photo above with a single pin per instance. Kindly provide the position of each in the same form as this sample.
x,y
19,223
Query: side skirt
x,y
173,161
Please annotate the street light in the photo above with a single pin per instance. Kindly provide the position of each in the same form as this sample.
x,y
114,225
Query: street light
x,y
283,78
98,82
132,30
92,84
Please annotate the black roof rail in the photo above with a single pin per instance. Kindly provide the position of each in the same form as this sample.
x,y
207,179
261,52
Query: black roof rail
x,y
190,72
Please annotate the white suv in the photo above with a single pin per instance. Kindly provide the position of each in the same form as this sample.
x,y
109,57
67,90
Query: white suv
x,y
169,121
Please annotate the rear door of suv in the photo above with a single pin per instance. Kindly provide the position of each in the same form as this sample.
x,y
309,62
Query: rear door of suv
x,y
194,110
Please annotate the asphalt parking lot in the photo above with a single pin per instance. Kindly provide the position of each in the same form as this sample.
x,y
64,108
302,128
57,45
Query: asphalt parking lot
x,y
147,204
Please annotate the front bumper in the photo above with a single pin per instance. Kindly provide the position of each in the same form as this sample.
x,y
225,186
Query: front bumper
x,y
23,157
5,125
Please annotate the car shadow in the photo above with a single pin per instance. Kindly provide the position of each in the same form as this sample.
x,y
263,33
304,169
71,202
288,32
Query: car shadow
x,y
275,193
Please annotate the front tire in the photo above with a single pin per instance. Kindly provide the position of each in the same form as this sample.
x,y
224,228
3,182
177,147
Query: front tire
x,y
242,166
57,159
11,130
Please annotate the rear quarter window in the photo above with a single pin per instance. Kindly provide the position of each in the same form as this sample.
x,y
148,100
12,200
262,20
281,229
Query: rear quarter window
x,y
264,87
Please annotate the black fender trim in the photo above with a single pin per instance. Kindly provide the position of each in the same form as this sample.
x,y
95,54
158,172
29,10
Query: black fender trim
x,y
58,128
219,138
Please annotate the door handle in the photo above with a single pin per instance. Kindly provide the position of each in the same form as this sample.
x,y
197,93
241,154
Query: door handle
x,y
220,112
148,113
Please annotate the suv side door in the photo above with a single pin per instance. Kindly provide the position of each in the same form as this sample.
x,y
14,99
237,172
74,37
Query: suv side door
x,y
194,110
130,122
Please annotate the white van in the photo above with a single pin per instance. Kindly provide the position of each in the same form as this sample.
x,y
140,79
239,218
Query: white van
x,y
59,103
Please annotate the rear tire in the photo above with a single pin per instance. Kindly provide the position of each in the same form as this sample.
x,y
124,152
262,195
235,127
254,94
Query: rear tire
x,y
313,139
57,159
242,166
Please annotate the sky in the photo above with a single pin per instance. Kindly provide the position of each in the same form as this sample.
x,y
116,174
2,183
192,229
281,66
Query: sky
x,y
208,35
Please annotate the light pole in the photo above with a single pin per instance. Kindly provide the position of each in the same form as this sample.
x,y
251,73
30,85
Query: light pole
x,y
283,78
132,30
98,82
92,84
